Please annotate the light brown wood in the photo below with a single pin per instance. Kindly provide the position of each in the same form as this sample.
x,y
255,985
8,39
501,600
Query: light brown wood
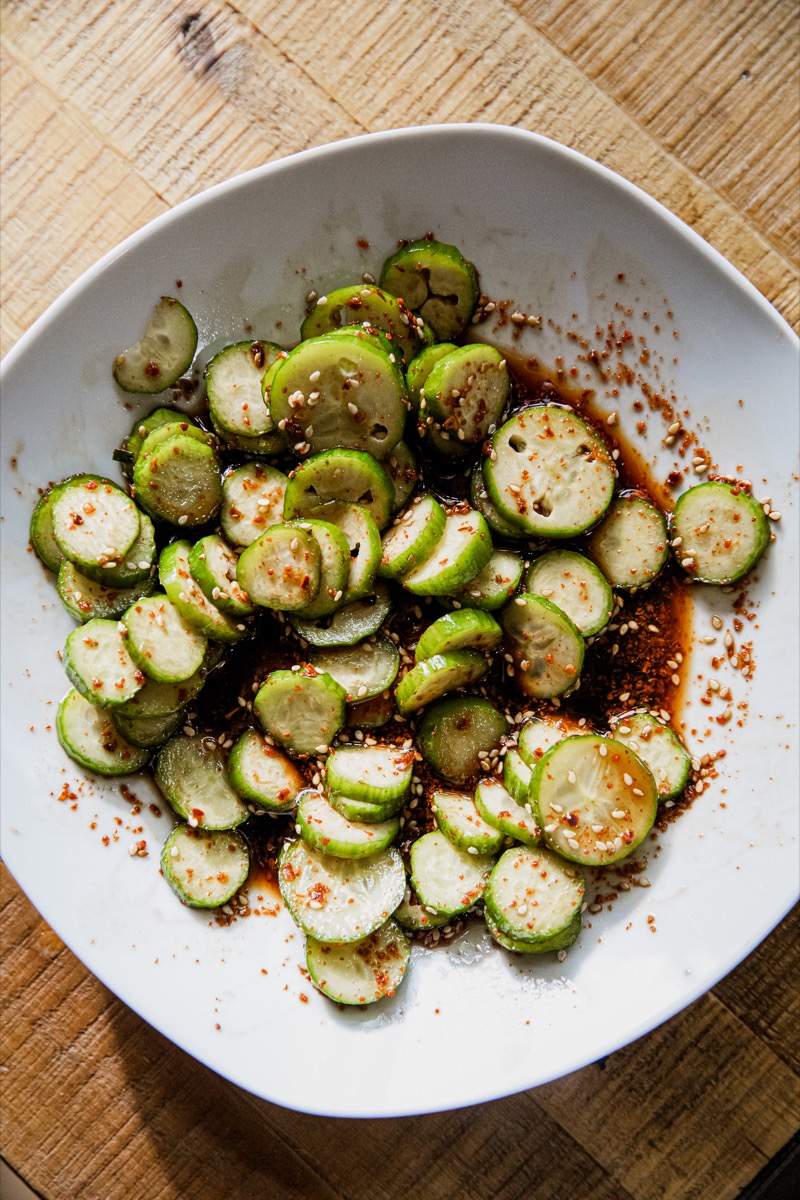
x,y
112,112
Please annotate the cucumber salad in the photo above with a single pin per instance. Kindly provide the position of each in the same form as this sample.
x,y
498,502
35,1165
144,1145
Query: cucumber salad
x,y
358,594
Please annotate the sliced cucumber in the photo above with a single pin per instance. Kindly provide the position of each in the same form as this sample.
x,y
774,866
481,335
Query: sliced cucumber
x,y
364,305
89,737
412,538
205,868
479,498
177,581
252,501
302,710
502,811
494,586
334,566
436,281
364,810
86,599
281,568
457,734
595,799
339,900
164,353
462,551
721,531
401,467
418,371
180,482
533,895
546,646
138,566
445,878
516,776
163,431
146,732
144,426
659,748
549,472
155,700
192,778
233,385
94,523
339,392
544,945
322,827
261,774
364,541
432,677
457,630
98,664
377,774
213,566
576,585
364,670
363,972
460,821
41,529
336,475
162,642
350,624
539,735
630,545
467,391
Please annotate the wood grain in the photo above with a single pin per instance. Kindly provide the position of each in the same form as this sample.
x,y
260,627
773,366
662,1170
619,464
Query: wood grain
x,y
112,112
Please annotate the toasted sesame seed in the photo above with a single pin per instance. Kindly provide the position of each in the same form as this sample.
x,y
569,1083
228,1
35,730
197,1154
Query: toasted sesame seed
x,y
628,779
472,849
774,515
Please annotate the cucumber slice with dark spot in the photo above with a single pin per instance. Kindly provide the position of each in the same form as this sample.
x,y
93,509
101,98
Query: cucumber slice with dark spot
x,y
334,566
363,972
350,624
364,542
457,734
88,736
281,568
466,392
233,384
205,868
180,482
164,353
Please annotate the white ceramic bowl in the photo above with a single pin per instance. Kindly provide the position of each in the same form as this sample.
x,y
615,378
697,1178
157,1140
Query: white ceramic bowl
x,y
552,231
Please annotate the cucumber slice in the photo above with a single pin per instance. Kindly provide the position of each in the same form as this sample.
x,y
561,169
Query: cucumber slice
x,y
334,566
364,670
144,426
378,774
402,469
192,778
339,900
41,529
363,972
164,353
545,945
339,392
576,585
455,631
549,472
350,624
162,642
516,776
467,391
533,895
494,586
418,371
94,523
364,305
155,700
545,644
180,481
86,599
539,735
479,498
138,566
233,385
213,566
445,878
436,281
252,501
414,535
659,748
205,868
595,799
281,568
414,917
430,679
722,532
502,811
146,732
461,553
456,736
162,432
302,710
339,474
460,821
263,775
176,580
365,810
322,827
98,664
630,545
364,542
87,734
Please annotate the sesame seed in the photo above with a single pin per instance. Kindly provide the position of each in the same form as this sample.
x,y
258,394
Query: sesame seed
x,y
628,779
472,849
603,750
774,515
573,843
674,427
611,419
572,777
314,904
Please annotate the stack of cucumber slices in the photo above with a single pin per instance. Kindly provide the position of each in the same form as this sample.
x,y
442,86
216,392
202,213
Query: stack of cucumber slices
x,y
304,508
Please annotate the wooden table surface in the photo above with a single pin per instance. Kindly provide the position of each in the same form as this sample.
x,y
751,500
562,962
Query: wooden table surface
x,y
112,111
